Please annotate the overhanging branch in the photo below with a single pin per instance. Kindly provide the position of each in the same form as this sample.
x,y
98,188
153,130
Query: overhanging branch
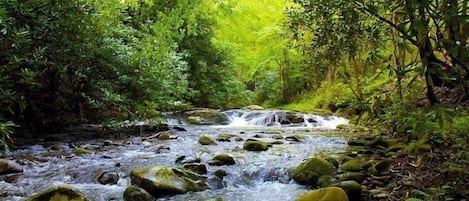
x,y
381,18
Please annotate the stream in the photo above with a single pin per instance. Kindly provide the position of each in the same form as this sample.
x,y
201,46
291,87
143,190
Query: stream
x,y
256,176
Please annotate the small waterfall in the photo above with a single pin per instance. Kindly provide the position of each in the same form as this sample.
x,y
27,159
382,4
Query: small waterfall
x,y
281,118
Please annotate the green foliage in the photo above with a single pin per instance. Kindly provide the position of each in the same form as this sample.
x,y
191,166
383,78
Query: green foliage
x,y
6,131
88,61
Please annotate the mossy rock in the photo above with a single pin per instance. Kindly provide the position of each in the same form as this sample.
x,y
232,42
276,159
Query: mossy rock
x,y
352,188
197,168
353,165
58,193
82,151
135,193
333,161
326,181
255,146
222,159
205,116
294,117
161,181
206,140
253,107
324,194
224,137
308,172
354,176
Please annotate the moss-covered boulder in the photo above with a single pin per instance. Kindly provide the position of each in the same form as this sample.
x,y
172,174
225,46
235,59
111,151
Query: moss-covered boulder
x,y
205,116
326,181
308,172
135,193
352,188
58,193
353,165
206,140
324,194
161,181
254,145
222,159
354,176
294,117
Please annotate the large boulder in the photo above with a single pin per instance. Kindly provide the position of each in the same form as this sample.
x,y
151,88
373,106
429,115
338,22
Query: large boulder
x,y
308,172
294,117
8,167
58,193
254,145
205,116
324,194
135,193
162,181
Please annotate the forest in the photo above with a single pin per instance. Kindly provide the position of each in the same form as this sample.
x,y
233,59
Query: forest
x,y
399,68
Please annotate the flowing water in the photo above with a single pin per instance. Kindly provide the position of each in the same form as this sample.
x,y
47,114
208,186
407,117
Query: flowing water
x,y
255,176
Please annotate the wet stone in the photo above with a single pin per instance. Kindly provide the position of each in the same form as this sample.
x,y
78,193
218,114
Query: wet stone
x,y
108,178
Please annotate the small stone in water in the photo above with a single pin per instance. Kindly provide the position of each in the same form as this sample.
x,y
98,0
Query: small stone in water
x,y
108,178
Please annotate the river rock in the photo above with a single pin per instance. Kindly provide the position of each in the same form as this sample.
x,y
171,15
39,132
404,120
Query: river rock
x,y
166,135
352,188
8,167
220,173
135,193
308,172
161,181
353,165
324,194
294,117
355,176
197,168
222,159
108,178
253,107
205,116
82,151
224,137
58,193
206,140
251,145
326,181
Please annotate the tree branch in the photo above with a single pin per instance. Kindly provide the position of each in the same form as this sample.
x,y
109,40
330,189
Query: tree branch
x,y
381,18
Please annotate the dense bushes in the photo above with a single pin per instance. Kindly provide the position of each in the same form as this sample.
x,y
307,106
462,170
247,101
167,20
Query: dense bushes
x,y
65,62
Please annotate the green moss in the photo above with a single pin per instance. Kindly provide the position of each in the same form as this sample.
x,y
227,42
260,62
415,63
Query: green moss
x,y
58,193
255,146
353,165
134,193
206,140
161,181
324,194
82,151
309,171
354,176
